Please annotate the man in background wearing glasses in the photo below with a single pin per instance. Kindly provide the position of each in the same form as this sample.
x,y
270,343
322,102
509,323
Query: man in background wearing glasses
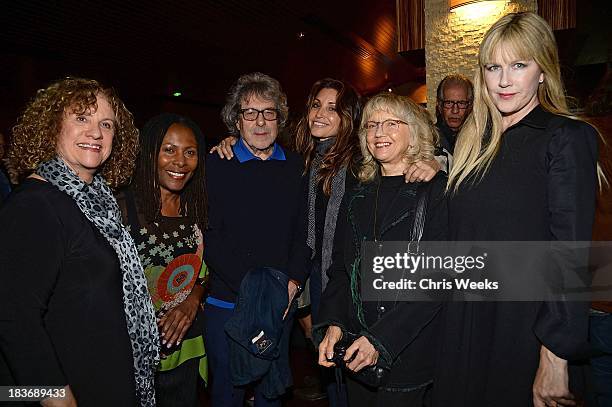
x,y
256,218
453,105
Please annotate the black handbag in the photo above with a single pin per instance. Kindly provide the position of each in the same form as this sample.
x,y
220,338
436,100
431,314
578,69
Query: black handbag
x,y
372,376
377,375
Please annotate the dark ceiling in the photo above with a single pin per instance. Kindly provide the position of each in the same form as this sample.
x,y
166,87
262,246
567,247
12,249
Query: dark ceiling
x,y
149,50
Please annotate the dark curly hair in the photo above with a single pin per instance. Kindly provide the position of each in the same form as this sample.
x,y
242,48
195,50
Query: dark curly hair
x,y
146,187
35,135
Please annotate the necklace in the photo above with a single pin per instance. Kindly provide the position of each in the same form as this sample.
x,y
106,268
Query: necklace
x,y
376,209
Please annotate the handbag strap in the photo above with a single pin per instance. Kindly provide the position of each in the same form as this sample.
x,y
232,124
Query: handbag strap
x,y
420,213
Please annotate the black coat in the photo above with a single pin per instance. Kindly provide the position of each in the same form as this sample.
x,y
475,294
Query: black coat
x,y
541,186
448,136
406,333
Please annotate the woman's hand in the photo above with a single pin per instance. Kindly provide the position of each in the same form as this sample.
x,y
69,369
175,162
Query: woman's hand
x,y
174,324
67,401
366,356
326,347
550,387
224,148
422,171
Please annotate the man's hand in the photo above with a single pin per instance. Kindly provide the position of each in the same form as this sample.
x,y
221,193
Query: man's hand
x,y
367,355
326,347
551,384
422,171
224,148
67,401
292,289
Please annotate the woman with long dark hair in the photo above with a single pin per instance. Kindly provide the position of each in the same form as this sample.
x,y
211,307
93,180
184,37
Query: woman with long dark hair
x,y
165,210
326,136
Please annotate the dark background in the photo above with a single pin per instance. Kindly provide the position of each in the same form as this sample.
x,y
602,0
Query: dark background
x,y
148,50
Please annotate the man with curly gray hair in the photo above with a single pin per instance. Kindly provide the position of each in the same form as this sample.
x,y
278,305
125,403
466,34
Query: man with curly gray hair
x,y
240,114
256,220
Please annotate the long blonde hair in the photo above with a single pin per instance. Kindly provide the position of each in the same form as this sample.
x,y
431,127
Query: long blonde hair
x,y
523,36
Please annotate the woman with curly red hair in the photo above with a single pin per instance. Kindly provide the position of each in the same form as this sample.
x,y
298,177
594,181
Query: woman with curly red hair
x,y
74,307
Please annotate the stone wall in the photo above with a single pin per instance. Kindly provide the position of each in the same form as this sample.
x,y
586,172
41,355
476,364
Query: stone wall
x,y
452,38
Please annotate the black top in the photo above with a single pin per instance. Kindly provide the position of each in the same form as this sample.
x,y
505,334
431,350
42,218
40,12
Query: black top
x,y
61,299
405,333
257,218
541,186
5,186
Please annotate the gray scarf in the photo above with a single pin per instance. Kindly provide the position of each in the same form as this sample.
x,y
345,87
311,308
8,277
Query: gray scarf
x,y
97,203
333,207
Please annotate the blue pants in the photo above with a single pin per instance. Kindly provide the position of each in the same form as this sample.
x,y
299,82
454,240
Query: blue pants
x,y
601,363
223,393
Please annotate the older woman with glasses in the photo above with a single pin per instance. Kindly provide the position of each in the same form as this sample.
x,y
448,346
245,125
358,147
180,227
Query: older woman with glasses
x,y
398,336
74,307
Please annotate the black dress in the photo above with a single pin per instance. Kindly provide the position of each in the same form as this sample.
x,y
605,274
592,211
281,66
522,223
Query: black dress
x,y
540,187
61,300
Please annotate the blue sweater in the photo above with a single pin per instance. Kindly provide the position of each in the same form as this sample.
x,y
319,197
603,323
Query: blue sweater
x,y
257,218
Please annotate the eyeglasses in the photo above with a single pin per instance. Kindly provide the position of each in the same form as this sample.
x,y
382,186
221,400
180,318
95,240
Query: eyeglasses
x,y
251,114
388,126
461,104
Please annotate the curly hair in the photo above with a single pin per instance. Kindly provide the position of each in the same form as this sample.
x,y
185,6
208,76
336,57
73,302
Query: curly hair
x,y
419,123
345,150
35,135
254,84
193,200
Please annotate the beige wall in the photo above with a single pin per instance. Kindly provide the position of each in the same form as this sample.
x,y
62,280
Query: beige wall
x,y
452,38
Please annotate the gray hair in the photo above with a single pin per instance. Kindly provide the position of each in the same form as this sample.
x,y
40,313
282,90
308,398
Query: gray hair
x,y
455,80
253,84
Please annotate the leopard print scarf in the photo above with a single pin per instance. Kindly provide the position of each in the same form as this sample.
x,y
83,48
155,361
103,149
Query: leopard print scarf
x,y
97,203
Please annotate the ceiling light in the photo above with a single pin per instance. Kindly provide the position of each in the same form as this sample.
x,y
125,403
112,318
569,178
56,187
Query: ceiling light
x,y
458,3
455,4
478,10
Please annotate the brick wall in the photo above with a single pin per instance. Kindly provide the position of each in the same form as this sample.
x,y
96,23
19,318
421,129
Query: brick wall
x,y
452,38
